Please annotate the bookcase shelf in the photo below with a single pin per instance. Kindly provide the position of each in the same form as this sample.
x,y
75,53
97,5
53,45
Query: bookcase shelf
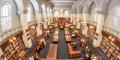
x,y
11,49
110,49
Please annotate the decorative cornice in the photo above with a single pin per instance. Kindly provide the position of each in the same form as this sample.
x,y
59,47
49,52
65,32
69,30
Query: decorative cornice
x,y
101,12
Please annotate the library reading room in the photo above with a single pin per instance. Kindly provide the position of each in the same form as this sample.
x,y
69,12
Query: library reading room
x,y
59,29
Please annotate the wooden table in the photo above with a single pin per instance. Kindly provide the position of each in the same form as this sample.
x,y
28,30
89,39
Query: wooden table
x,y
56,32
67,32
68,38
52,53
71,52
55,38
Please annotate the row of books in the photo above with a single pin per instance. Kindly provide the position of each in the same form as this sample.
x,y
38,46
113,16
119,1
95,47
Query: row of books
x,y
110,49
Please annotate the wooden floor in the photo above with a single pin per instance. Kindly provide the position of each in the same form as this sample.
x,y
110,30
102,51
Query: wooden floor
x,y
52,53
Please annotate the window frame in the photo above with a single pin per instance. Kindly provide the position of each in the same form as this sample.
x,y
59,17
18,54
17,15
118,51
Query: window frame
x,y
5,16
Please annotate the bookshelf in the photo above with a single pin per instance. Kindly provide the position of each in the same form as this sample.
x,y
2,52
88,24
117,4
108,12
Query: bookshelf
x,y
110,48
89,51
13,47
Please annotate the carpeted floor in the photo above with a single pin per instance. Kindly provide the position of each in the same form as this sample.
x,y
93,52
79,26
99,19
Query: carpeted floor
x,y
44,51
62,47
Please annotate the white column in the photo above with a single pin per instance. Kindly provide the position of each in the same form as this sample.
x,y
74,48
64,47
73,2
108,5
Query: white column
x,y
45,25
74,17
85,18
39,30
28,43
78,14
96,42
71,17
78,25
100,23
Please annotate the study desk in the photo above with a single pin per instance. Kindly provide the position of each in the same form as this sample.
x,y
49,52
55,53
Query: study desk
x,y
68,38
71,52
55,38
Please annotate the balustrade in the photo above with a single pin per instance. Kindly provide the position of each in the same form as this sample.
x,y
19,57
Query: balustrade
x,y
9,32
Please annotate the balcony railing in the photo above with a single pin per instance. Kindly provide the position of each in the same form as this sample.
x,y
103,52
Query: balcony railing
x,y
92,22
32,22
112,31
9,32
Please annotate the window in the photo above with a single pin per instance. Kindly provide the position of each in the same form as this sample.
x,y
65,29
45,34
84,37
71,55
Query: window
x,y
95,17
50,12
66,13
5,17
117,11
47,9
43,9
29,13
56,13
115,21
116,16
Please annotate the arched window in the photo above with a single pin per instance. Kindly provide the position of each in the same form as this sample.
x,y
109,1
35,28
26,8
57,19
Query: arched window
x,y
93,12
29,13
95,17
43,9
56,13
117,11
5,17
116,15
66,13
48,11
